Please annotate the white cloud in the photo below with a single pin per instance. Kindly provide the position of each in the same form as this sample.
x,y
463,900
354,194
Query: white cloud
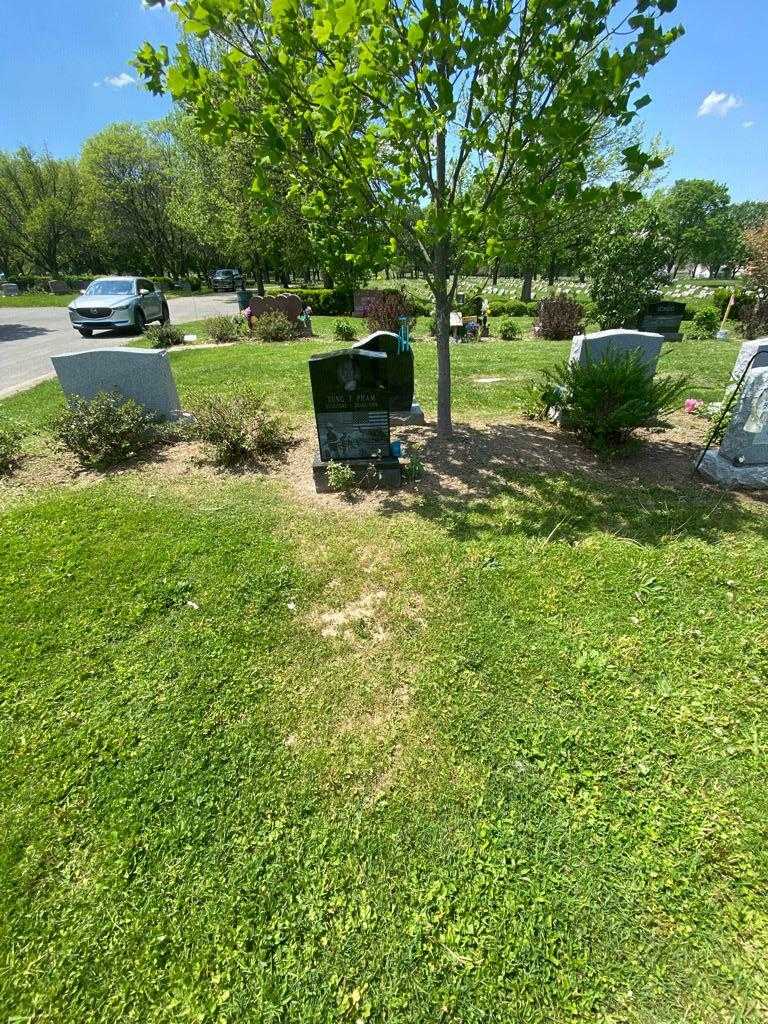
x,y
116,81
747,124
719,104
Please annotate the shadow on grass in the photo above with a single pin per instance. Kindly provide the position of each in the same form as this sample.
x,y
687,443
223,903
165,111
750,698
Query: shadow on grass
x,y
530,479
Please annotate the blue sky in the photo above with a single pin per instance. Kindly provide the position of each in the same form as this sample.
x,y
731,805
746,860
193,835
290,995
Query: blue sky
x,y
61,62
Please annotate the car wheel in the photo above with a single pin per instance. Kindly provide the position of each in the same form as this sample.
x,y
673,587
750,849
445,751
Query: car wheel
x,y
139,321
85,332
165,316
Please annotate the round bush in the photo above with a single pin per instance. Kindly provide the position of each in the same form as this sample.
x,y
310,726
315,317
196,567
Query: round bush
x,y
106,429
344,331
272,327
164,335
239,426
508,329
224,330
558,318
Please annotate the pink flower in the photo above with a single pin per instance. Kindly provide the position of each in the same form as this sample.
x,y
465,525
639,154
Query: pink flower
x,y
692,405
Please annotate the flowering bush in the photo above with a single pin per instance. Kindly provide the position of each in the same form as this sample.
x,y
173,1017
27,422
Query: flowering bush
x,y
384,310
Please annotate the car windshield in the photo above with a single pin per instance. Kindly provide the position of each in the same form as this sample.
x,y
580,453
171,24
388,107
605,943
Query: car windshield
x,y
223,273
110,288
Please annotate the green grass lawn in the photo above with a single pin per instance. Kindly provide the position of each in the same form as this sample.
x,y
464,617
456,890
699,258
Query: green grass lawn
x,y
490,760
30,300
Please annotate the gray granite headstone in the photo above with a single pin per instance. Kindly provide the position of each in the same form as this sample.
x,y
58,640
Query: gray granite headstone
x,y
593,347
58,287
758,348
9,289
742,460
145,376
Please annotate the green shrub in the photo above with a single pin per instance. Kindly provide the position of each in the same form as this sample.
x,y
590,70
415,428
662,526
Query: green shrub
x,y
558,318
533,401
105,430
704,325
226,329
606,400
756,320
343,331
511,307
340,477
272,327
324,301
508,329
10,448
164,335
239,426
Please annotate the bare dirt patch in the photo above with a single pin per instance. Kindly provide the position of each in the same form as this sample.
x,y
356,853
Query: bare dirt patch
x,y
479,458
339,622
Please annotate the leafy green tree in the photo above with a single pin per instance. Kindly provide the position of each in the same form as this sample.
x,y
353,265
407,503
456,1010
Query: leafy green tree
x,y
42,226
747,216
390,106
127,188
693,221
626,266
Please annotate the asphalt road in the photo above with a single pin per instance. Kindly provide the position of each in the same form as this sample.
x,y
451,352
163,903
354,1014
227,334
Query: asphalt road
x,y
29,337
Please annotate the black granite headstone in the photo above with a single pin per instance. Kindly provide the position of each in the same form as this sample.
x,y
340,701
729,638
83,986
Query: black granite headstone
x,y
350,392
664,317
399,368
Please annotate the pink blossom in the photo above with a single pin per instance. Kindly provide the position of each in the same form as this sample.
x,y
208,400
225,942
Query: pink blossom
x,y
692,405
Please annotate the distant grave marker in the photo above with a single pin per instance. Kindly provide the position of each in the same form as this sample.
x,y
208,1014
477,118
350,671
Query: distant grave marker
x,y
664,317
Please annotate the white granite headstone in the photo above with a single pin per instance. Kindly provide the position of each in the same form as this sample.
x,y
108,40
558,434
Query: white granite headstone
x,y
143,375
742,460
758,348
593,347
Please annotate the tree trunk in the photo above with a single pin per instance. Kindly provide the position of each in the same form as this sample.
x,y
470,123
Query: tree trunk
x,y
495,271
526,292
327,280
440,256
443,317
552,275
259,279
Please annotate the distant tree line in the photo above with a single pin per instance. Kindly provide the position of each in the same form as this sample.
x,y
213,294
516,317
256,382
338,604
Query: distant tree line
x,y
158,199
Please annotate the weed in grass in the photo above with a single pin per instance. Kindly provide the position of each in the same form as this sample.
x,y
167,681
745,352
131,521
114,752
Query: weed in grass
x,y
340,477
